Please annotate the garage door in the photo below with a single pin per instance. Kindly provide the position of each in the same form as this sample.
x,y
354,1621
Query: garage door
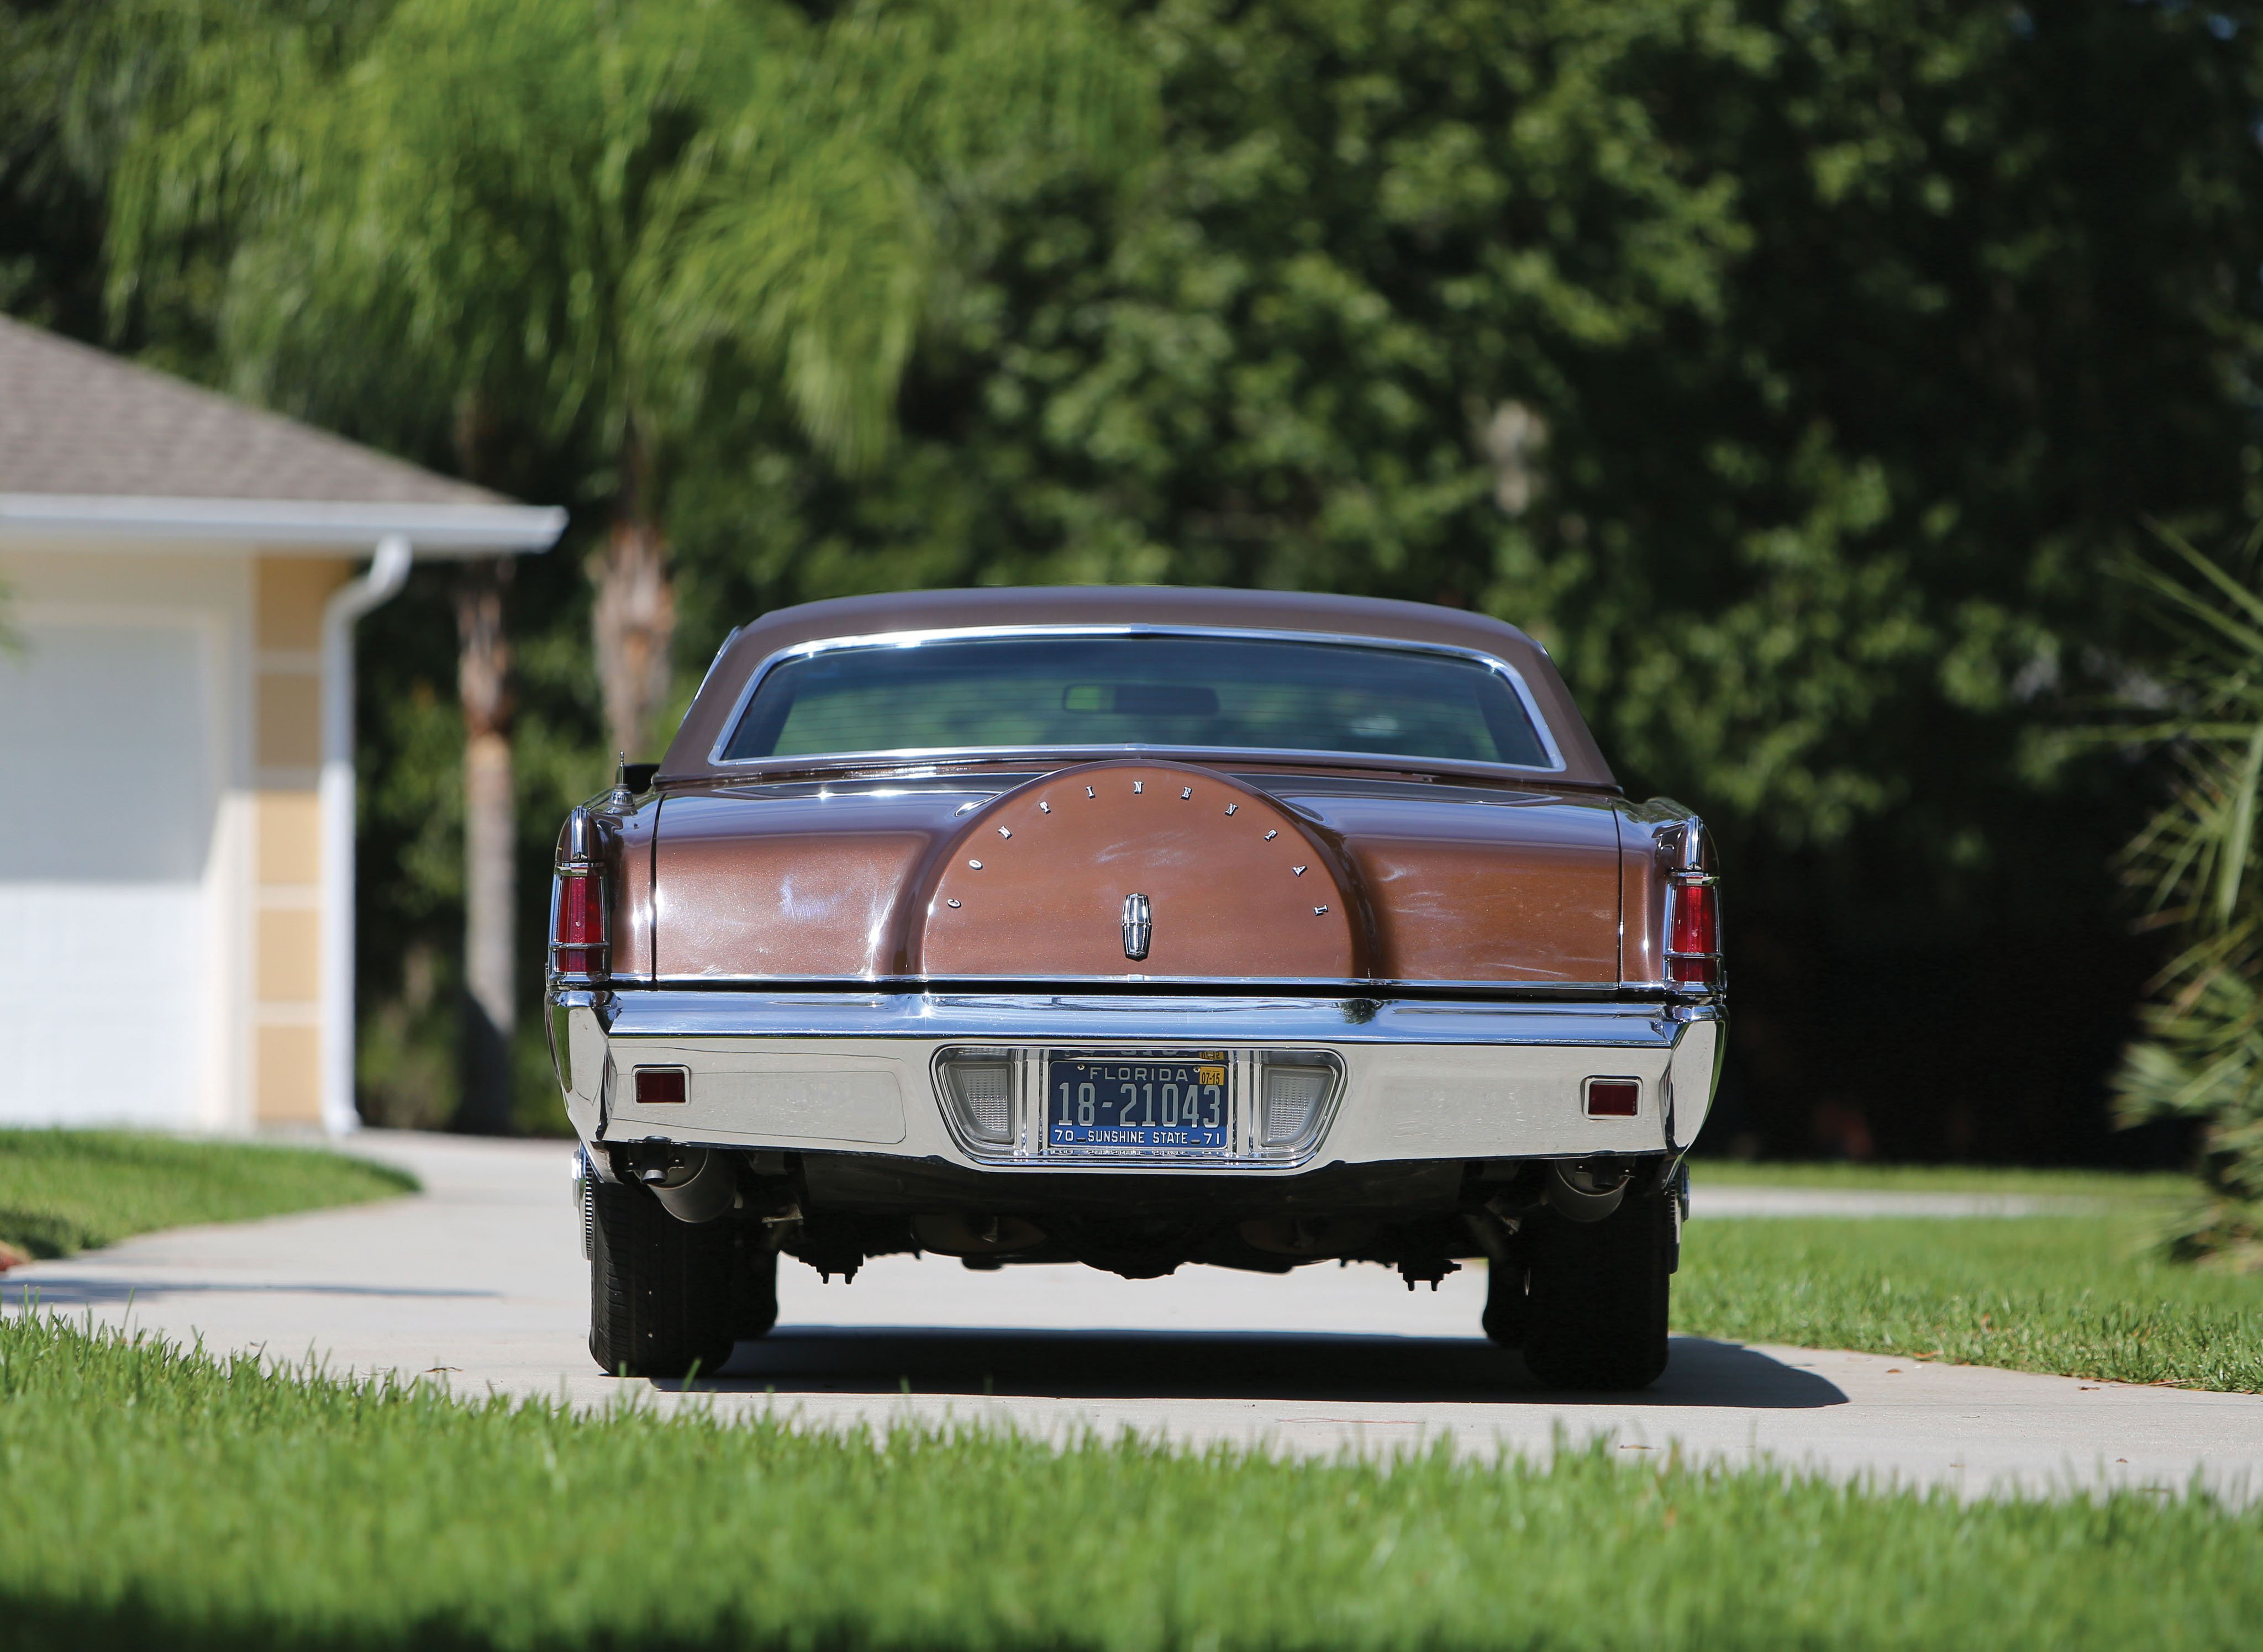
x,y
104,738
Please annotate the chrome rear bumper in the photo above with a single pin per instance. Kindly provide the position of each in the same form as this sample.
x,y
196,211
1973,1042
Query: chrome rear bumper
x,y
856,1073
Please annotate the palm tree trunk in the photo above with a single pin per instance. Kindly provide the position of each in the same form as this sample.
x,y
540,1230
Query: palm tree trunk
x,y
634,619
490,833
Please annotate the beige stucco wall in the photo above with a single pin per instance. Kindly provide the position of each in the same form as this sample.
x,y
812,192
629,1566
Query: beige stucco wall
x,y
288,595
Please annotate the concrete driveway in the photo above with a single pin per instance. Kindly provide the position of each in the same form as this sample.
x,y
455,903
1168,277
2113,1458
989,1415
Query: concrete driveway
x,y
479,1281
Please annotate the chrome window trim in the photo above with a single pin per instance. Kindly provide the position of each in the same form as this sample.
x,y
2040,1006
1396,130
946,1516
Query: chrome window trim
x,y
708,675
1556,765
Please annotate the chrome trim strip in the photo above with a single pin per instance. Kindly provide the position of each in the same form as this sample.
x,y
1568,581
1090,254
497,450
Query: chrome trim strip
x,y
1269,986
708,675
1191,1022
1556,764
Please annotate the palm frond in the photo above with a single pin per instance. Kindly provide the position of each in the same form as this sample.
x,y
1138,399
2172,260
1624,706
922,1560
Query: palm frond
x,y
2196,859
583,207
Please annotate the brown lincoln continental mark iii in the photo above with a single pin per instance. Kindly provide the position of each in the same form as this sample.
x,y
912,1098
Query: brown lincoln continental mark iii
x,y
1134,927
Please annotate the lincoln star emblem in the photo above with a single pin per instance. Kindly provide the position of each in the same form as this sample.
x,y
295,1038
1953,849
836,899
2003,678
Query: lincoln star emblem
x,y
1138,925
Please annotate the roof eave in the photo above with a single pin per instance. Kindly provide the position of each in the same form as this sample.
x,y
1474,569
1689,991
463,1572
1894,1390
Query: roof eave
x,y
460,529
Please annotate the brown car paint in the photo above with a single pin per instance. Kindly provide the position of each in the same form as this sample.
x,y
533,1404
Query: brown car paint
x,y
759,874
1642,898
1465,890
1035,885
801,887
1466,884
629,856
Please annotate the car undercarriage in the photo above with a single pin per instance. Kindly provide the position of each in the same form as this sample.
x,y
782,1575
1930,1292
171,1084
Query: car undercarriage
x,y
726,1216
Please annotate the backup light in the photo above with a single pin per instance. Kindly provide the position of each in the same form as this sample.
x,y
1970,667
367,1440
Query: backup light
x,y
982,1095
1290,1099
1262,1107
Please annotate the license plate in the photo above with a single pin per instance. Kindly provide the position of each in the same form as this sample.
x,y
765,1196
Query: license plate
x,y
1138,1104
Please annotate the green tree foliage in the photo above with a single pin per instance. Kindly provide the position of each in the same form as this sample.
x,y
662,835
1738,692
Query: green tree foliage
x,y
465,222
2200,863
1860,336
1794,370
563,211
1856,332
50,200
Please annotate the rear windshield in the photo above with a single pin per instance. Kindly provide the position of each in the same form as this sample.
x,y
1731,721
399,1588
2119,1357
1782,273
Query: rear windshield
x,y
1182,691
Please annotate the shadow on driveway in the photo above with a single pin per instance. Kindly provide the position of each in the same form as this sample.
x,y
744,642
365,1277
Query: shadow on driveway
x,y
1220,1365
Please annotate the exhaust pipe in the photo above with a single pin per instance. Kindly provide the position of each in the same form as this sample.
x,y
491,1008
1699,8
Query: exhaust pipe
x,y
692,1183
1588,1189
960,1233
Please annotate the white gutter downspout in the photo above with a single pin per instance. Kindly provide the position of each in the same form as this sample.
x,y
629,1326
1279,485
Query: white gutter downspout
x,y
388,569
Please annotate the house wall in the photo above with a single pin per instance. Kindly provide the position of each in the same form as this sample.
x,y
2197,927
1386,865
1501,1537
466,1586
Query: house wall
x,y
160,873
288,595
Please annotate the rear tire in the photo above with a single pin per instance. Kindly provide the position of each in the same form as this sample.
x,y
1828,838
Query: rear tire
x,y
661,1297
1597,1307
754,1310
1507,1309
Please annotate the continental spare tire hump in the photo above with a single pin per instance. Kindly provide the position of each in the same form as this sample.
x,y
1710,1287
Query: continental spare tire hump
x,y
1137,871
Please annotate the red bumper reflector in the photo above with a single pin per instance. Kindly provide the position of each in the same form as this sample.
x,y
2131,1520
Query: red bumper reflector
x,y
659,1087
1606,1098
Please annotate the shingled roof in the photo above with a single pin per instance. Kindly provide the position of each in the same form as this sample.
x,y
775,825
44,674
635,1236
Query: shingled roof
x,y
73,420
94,445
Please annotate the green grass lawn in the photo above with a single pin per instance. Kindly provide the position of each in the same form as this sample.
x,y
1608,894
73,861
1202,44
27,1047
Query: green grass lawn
x,y
63,1191
152,1498
1973,1178
2077,1295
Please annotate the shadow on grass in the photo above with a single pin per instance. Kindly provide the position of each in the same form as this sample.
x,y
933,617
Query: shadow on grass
x,y
134,1625
1120,1365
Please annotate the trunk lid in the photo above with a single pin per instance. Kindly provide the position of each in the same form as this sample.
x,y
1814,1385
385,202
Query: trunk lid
x,y
1247,876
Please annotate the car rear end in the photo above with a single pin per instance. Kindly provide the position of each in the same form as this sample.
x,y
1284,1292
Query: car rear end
x,y
1018,988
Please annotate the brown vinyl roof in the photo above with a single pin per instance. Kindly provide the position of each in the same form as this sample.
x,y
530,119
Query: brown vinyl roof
x,y
75,420
1302,611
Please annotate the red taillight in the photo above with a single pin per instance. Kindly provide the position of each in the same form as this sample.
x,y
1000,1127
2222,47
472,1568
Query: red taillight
x,y
577,922
1693,932
578,949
